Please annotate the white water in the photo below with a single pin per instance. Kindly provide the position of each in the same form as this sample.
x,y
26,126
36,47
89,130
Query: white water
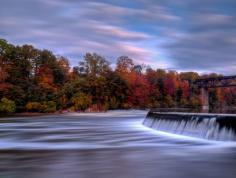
x,y
207,128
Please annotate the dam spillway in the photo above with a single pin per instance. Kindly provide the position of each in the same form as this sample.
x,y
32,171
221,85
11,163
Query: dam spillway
x,y
220,127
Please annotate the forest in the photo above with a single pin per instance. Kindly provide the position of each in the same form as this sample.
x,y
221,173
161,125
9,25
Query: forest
x,y
35,80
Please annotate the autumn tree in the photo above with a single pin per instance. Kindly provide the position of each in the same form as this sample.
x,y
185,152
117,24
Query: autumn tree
x,y
37,80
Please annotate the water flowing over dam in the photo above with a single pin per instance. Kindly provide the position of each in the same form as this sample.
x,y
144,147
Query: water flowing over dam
x,y
208,126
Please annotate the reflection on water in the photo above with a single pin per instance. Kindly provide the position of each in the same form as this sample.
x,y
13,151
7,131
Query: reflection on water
x,y
113,144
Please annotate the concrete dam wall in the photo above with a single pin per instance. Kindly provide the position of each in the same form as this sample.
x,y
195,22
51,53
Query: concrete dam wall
x,y
208,126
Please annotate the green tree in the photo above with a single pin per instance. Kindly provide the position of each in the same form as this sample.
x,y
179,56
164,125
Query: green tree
x,y
7,106
81,101
94,65
34,106
49,107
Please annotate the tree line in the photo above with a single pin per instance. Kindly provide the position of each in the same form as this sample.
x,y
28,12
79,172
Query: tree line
x,y
34,80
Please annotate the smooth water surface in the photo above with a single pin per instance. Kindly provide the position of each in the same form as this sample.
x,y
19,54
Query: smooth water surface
x,y
107,145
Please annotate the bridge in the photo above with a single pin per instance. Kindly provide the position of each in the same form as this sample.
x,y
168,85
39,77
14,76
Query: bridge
x,y
214,82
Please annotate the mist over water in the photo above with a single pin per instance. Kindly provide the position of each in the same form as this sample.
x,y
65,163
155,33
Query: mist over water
x,y
112,144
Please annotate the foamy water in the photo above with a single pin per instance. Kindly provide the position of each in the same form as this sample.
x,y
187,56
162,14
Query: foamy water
x,y
208,126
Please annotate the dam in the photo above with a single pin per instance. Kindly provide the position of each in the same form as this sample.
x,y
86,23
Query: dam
x,y
221,127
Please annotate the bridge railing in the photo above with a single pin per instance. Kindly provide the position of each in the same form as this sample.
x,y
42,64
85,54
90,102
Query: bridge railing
x,y
215,82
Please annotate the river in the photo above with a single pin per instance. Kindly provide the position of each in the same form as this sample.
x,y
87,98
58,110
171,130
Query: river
x,y
106,145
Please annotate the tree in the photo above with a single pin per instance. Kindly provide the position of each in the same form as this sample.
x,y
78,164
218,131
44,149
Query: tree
x,y
189,76
5,54
37,80
34,106
168,102
7,106
171,83
124,64
46,107
139,90
94,65
49,107
116,90
138,69
81,101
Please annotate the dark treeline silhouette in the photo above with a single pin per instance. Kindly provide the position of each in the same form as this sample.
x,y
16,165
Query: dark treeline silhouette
x,y
36,80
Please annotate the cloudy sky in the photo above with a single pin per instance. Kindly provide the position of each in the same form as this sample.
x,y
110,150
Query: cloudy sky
x,y
184,35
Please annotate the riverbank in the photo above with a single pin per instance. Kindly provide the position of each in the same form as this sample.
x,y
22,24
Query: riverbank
x,y
26,114
35,114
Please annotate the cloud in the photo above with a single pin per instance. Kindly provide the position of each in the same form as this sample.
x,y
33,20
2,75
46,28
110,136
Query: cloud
x,y
62,30
186,35
116,13
116,32
212,47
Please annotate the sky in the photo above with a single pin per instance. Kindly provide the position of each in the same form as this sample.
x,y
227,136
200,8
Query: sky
x,y
182,35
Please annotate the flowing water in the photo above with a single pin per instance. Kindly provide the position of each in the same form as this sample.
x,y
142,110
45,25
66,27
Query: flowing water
x,y
107,145
208,126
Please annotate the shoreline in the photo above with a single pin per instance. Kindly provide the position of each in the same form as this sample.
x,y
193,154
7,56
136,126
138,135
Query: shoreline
x,y
35,114
25,114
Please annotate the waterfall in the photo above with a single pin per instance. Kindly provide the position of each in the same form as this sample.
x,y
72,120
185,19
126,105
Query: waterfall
x,y
209,126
